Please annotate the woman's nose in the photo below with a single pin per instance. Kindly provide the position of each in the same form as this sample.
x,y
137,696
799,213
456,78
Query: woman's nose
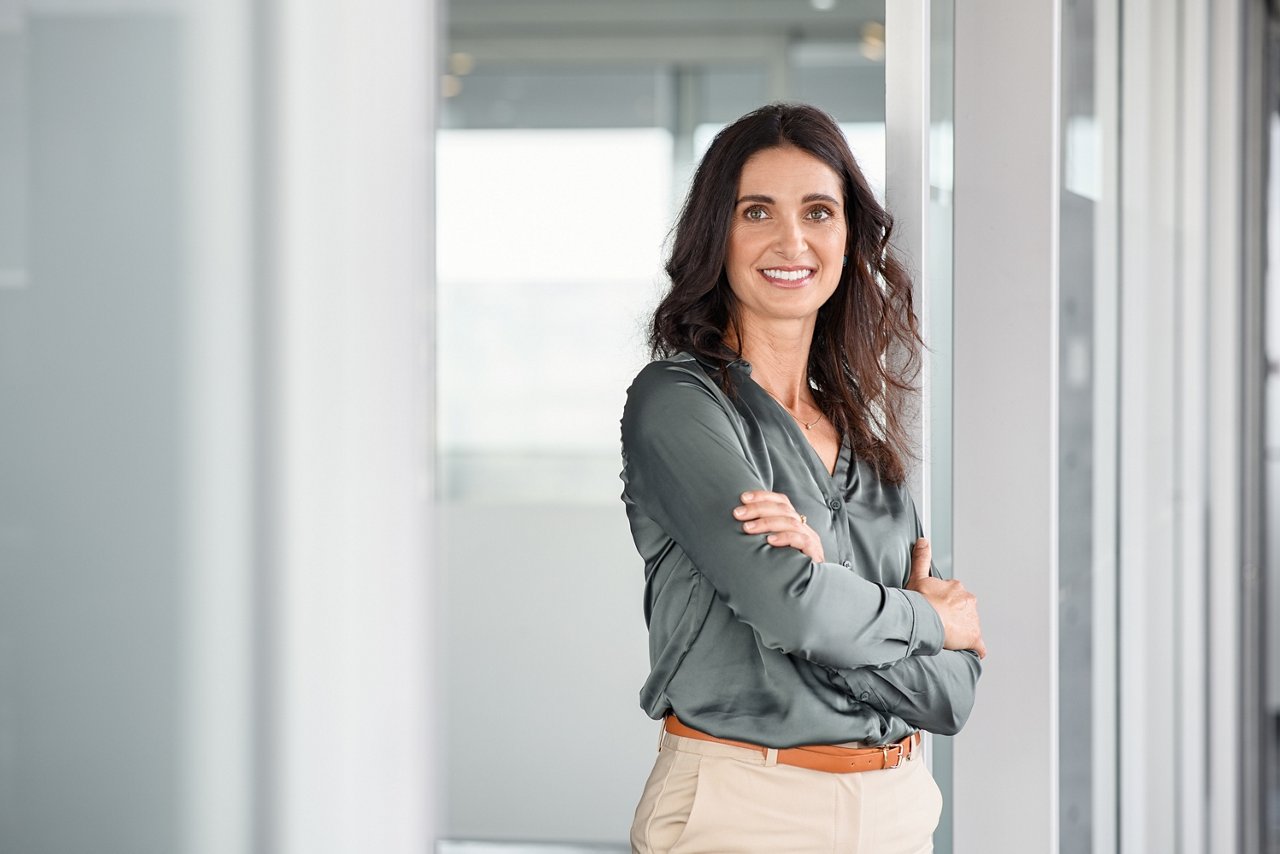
x,y
790,241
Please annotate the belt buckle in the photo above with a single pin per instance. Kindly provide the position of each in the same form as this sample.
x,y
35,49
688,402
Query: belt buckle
x,y
885,752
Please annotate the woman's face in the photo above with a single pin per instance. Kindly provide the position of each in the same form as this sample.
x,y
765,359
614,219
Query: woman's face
x,y
787,240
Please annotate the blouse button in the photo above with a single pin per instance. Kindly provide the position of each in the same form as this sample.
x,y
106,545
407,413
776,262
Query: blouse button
x,y
835,504
864,696
848,564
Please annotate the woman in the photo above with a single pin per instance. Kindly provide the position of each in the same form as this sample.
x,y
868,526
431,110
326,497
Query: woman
x,y
797,639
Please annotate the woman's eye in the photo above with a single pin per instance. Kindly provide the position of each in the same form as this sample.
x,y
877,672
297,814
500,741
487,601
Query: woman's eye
x,y
754,213
820,214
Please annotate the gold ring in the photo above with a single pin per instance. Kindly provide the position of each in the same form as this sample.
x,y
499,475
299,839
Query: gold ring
x,y
803,518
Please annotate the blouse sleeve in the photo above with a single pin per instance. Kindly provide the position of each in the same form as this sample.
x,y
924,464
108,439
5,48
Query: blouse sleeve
x,y
685,465
934,694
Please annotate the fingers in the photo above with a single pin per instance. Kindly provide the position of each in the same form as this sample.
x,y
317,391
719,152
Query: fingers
x,y
771,513
762,507
787,538
773,523
962,627
759,496
920,557
801,540
756,511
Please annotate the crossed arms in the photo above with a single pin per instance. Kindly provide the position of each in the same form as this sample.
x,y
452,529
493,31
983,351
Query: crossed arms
x,y
884,643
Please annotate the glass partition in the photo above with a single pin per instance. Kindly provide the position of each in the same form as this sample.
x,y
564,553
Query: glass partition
x,y
568,137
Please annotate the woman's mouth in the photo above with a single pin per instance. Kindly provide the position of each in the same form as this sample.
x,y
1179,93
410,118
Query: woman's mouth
x,y
788,277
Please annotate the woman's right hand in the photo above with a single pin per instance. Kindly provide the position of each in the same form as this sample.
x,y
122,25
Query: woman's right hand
x,y
957,607
771,513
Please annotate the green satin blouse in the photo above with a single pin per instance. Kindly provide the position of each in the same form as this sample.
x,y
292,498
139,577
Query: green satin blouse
x,y
760,643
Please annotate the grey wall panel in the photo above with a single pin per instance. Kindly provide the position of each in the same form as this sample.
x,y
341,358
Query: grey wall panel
x,y
1006,417
91,482
544,651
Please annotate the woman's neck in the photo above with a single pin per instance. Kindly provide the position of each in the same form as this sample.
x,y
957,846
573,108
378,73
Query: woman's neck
x,y
779,362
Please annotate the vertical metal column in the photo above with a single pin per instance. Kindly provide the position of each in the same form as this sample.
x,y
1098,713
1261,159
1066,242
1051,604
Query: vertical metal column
x,y
1105,356
908,47
1224,406
1191,295
1148,458
1254,722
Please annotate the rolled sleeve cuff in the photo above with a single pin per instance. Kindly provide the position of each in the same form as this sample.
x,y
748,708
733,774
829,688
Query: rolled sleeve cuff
x,y
926,627
860,687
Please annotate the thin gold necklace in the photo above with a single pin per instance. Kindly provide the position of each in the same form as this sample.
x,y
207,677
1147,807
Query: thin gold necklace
x,y
808,426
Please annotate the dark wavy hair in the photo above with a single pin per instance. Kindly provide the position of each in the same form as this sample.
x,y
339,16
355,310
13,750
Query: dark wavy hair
x,y
865,354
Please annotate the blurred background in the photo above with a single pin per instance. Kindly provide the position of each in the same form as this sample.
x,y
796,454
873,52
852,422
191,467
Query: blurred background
x,y
316,324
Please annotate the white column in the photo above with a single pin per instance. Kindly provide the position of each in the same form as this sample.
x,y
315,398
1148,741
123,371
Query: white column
x,y
1148,571
351,268
1191,179
219,737
1224,410
907,51
1006,416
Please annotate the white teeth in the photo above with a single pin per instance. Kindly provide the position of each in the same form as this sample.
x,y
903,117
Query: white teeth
x,y
788,275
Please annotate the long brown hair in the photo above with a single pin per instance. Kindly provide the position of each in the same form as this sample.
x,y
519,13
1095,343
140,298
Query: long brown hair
x,y
865,354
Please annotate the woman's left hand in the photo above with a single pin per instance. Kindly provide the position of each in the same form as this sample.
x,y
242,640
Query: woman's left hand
x,y
771,513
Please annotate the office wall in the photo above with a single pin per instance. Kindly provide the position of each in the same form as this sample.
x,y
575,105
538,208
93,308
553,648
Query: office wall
x,y
545,657
91,424
215,392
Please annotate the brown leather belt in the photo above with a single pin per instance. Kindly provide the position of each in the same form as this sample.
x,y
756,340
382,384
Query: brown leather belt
x,y
817,757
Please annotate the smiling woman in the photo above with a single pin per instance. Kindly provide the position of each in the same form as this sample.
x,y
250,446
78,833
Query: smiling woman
x,y
798,641
764,172
785,252
784,259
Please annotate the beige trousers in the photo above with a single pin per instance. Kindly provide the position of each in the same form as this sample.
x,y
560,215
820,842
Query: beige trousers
x,y
709,798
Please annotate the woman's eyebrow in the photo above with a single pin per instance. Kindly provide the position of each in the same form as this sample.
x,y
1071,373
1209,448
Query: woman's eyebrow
x,y
768,200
